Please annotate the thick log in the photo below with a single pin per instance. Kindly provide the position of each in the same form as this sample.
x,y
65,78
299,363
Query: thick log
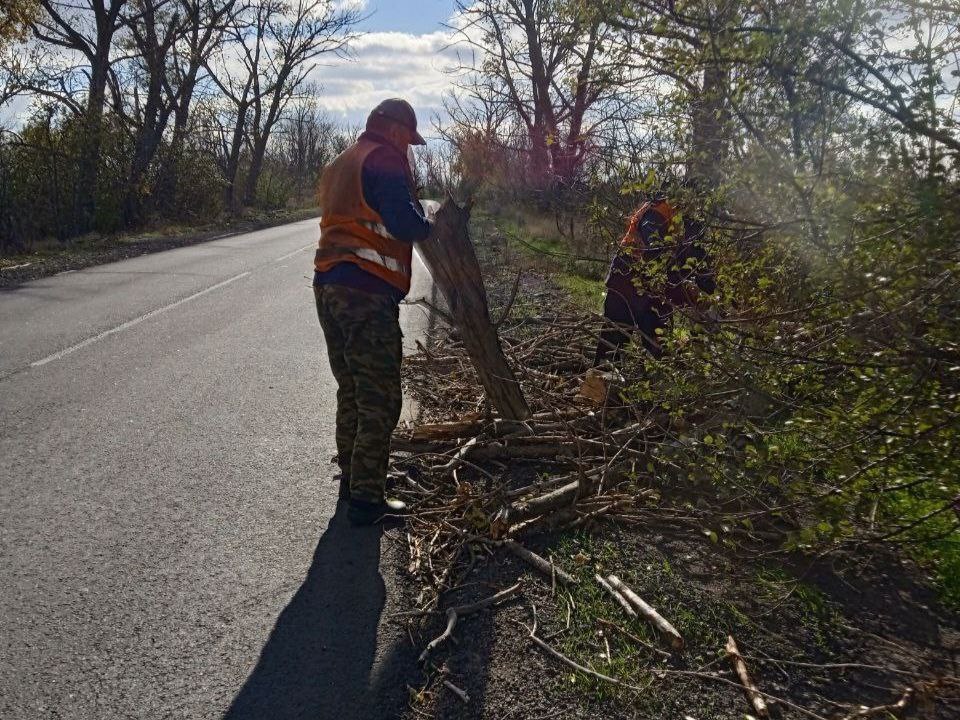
x,y
446,431
621,600
450,257
400,443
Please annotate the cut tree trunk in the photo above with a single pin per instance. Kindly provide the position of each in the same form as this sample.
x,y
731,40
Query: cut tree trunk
x,y
452,262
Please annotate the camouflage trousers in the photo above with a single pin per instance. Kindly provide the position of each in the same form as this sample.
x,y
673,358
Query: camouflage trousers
x,y
362,331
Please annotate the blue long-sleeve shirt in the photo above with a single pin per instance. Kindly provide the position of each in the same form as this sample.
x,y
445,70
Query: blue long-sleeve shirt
x,y
387,191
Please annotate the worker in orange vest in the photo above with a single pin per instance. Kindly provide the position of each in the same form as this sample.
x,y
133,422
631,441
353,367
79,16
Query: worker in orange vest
x,y
362,268
660,266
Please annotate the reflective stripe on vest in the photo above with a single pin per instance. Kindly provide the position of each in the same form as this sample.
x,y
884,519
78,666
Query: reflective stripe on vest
x,y
391,264
378,228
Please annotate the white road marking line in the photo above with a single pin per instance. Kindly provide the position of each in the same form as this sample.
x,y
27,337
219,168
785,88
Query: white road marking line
x,y
290,255
135,321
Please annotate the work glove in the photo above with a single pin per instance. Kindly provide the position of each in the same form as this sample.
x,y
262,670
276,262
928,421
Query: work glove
x,y
430,208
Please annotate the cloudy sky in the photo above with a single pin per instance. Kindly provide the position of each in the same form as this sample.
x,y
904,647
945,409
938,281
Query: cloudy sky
x,y
405,51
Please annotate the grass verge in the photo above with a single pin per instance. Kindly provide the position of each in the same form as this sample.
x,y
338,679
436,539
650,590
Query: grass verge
x,y
536,239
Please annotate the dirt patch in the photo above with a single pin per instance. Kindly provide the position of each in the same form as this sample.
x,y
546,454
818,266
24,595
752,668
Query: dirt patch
x,y
97,250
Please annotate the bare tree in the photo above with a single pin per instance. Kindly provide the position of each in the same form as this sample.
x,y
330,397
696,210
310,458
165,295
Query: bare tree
x,y
305,142
485,136
140,58
205,22
276,46
238,87
154,27
550,63
310,28
86,29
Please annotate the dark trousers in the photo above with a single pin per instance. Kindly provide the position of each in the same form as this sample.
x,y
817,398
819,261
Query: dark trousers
x,y
624,317
362,331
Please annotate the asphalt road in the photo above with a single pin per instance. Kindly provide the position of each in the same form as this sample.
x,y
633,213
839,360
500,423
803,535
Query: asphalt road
x,y
169,541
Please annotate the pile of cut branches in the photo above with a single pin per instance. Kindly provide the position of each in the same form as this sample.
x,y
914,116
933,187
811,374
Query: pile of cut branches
x,y
474,477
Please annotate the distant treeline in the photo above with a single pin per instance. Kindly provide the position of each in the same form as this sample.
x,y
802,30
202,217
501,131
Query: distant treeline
x,y
161,110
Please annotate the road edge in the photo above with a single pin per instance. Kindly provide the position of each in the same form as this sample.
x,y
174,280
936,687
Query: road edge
x,y
114,248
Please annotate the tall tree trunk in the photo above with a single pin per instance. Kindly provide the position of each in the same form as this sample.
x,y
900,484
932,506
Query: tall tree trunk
x,y
262,128
145,151
257,154
205,27
710,113
168,175
233,158
709,144
88,161
544,131
153,48
70,30
257,150
569,153
539,157
155,117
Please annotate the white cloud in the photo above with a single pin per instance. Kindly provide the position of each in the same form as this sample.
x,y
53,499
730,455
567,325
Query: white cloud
x,y
389,64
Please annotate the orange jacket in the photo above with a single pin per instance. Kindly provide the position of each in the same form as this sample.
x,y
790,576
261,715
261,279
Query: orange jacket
x,y
645,241
651,222
350,230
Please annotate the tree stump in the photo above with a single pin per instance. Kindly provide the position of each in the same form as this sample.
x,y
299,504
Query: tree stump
x,y
452,261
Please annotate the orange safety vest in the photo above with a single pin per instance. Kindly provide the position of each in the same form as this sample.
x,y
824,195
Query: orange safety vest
x,y
350,230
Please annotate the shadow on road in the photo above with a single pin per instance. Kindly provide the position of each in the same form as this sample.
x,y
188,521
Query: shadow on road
x,y
316,663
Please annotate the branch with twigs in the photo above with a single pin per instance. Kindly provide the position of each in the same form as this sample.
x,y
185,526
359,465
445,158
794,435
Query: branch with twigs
x,y
455,613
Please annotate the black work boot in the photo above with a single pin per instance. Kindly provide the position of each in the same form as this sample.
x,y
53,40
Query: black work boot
x,y
361,512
